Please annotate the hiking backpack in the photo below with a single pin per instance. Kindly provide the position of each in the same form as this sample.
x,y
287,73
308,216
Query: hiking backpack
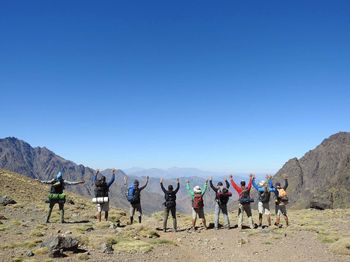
x,y
245,197
170,199
57,189
198,201
101,189
264,197
282,195
132,195
222,196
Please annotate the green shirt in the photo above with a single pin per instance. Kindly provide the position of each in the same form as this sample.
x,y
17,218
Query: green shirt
x,y
191,193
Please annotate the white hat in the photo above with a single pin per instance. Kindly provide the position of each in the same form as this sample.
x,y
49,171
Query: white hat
x,y
262,183
197,189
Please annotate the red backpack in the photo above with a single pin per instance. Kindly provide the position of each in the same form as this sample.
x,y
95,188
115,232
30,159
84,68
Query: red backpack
x,y
198,201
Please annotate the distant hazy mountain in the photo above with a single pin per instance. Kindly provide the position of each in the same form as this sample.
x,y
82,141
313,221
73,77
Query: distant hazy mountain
x,y
322,175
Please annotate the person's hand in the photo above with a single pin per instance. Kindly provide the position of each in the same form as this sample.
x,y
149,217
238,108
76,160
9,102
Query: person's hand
x,y
187,181
97,171
125,179
113,170
147,178
178,180
161,180
210,178
285,176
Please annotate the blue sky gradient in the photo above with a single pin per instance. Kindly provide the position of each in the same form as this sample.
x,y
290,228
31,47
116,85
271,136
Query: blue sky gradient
x,y
230,85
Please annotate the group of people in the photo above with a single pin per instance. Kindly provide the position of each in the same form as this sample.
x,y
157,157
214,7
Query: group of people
x,y
222,196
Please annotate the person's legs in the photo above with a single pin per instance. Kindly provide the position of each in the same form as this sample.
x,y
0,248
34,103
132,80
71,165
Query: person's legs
x,y
173,214
165,218
225,214
139,210
61,207
51,205
248,211
216,215
278,214
106,209
267,213
194,218
240,216
283,210
132,212
261,211
98,214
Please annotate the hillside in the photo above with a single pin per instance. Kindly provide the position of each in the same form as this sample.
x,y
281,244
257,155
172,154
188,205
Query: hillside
x,y
313,235
322,176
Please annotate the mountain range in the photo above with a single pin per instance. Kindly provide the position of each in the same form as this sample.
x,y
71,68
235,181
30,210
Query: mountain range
x,y
319,179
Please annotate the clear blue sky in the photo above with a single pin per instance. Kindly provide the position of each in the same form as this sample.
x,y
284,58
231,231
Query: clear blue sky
x,y
217,85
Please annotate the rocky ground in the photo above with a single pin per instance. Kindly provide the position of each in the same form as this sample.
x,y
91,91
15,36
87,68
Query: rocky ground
x,y
313,235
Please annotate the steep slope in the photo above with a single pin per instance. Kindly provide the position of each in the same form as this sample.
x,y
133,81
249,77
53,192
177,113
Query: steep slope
x,y
322,176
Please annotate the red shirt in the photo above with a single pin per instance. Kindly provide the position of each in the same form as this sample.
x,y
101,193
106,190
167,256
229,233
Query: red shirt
x,y
238,188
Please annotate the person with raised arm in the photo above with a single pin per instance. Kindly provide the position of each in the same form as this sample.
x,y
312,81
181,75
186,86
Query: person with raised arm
x,y
281,201
170,203
56,195
222,196
101,194
133,195
264,189
197,194
244,201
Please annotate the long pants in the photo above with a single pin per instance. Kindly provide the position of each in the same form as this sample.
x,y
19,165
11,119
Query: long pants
x,y
61,208
166,215
217,210
245,208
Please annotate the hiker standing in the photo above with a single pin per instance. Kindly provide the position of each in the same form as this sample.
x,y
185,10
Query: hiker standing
x,y
101,194
222,196
197,203
264,189
56,194
133,195
244,201
170,203
281,200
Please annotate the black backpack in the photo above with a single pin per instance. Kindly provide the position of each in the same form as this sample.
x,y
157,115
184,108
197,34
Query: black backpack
x,y
101,189
245,197
264,197
57,189
170,199
222,197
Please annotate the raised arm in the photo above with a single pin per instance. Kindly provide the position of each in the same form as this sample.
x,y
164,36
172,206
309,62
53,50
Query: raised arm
x,y
212,186
227,183
250,182
178,186
94,178
162,187
285,183
205,187
189,189
234,185
144,186
271,187
72,183
258,188
112,180
46,181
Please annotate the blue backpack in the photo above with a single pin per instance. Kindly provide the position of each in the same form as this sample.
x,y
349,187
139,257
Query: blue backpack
x,y
131,194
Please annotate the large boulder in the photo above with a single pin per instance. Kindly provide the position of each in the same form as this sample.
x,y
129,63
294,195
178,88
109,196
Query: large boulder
x,y
58,244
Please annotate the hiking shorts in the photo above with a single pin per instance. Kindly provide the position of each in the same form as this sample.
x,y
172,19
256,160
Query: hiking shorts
x,y
281,210
198,212
103,207
264,208
135,207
